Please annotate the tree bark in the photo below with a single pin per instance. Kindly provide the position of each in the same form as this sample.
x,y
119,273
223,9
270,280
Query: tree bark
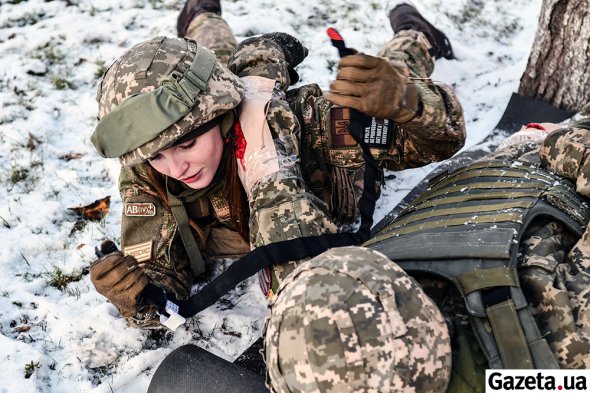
x,y
558,69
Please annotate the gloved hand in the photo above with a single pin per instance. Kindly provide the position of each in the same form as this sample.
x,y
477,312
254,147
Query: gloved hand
x,y
119,278
293,50
375,87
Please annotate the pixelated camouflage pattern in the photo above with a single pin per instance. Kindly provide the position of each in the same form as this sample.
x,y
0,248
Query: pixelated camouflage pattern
x,y
350,320
143,68
213,32
557,285
565,152
409,49
554,275
260,57
280,205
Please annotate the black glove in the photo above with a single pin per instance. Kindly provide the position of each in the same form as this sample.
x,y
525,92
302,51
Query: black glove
x,y
293,50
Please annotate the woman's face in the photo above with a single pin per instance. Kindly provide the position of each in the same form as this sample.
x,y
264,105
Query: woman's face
x,y
193,162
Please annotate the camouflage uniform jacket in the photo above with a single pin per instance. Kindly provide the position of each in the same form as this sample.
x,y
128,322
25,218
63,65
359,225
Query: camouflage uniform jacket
x,y
284,208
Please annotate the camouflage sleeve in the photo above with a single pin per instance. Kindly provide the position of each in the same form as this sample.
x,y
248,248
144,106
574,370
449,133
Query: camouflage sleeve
x,y
438,130
281,208
258,56
566,152
557,286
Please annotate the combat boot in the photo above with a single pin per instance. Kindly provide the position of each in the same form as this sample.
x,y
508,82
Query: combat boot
x,y
404,16
191,9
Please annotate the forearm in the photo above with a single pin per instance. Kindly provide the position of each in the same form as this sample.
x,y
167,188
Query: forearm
x,y
281,208
438,129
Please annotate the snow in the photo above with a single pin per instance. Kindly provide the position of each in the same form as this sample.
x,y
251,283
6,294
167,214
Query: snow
x,y
51,57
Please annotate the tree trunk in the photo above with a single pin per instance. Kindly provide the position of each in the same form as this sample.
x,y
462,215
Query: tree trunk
x,y
558,70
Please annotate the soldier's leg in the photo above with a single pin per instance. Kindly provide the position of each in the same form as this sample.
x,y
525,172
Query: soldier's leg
x,y
201,20
416,42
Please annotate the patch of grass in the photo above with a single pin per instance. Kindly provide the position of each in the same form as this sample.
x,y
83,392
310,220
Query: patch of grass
x,y
74,292
33,142
60,280
50,52
101,68
27,19
18,174
30,368
18,304
61,83
5,223
331,66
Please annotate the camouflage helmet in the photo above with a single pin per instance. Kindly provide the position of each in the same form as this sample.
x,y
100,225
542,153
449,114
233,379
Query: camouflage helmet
x,y
158,91
351,320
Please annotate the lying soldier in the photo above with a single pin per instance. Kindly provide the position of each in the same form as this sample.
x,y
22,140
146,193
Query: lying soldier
x,y
510,221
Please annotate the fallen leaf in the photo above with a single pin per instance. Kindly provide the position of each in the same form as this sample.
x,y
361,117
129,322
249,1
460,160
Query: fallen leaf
x,y
80,246
71,156
22,328
96,211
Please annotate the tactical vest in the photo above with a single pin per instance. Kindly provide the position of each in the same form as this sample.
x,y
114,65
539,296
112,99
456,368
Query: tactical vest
x,y
466,228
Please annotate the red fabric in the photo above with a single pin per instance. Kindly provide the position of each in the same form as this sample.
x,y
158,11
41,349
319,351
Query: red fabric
x,y
535,125
239,143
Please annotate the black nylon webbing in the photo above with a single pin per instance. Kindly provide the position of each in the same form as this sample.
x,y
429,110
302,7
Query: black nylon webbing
x,y
281,252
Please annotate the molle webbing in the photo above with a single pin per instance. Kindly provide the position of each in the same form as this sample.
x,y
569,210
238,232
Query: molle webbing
x,y
466,228
488,193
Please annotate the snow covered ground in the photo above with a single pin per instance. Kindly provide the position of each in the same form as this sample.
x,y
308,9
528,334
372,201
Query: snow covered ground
x,y
57,334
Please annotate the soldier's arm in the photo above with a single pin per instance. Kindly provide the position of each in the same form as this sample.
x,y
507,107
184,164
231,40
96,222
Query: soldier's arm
x,y
281,208
566,151
437,131
428,114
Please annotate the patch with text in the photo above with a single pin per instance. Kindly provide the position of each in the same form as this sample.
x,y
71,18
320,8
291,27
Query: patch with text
x,y
142,251
375,132
141,209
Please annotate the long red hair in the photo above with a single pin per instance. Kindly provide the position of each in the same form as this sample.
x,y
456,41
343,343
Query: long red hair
x,y
233,192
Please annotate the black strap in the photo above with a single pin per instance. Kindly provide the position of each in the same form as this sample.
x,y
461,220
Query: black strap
x,y
495,295
282,252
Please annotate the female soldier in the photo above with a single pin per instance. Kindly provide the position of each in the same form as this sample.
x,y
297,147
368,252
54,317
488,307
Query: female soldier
x,y
216,160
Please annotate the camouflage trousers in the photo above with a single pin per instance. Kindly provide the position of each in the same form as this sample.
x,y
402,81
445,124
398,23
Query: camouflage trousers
x,y
407,48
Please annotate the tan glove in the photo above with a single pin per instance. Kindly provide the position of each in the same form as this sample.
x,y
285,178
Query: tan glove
x,y
375,87
119,279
